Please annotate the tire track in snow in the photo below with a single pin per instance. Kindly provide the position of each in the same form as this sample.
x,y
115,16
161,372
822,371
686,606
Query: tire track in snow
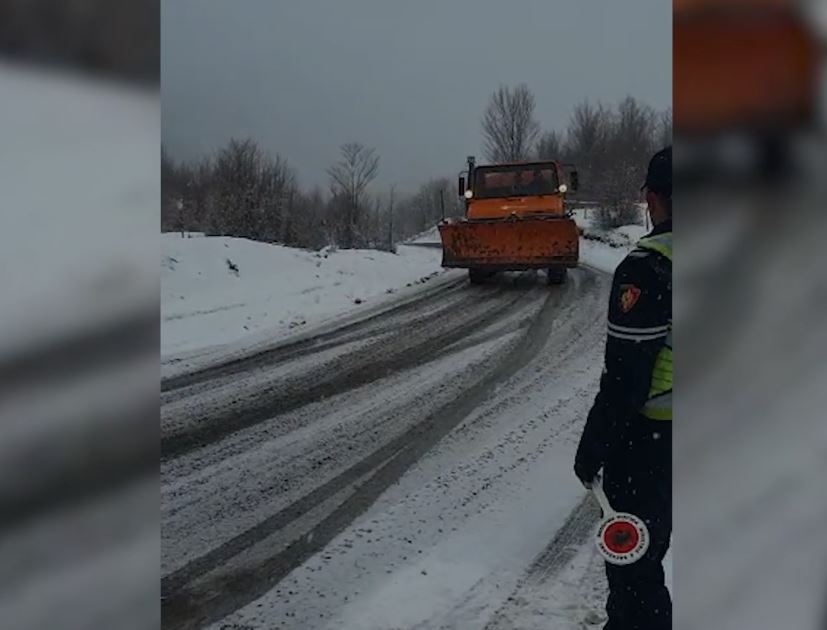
x,y
286,351
421,342
474,482
230,487
577,531
567,542
198,593
313,347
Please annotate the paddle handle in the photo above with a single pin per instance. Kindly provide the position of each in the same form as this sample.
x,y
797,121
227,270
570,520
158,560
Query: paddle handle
x,y
597,490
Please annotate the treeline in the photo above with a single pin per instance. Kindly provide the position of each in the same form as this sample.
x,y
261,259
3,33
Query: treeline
x,y
243,191
610,146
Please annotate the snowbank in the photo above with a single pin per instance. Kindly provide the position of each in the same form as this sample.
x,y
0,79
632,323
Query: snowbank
x,y
601,255
431,235
216,290
605,249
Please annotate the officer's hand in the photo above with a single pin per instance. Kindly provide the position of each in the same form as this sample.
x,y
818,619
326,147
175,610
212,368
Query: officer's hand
x,y
586,472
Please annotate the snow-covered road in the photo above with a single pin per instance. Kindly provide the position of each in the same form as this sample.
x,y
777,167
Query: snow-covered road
x,y
407,469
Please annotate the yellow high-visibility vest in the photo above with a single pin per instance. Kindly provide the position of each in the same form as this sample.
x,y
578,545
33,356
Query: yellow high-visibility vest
x,y
658,405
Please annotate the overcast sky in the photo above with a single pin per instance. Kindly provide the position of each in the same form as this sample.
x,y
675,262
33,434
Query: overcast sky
x,y
410,78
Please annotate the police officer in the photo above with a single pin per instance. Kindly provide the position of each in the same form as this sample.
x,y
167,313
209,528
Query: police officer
x,y
628,432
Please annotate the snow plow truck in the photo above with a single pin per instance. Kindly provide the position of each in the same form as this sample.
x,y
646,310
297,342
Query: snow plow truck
x,y
515,219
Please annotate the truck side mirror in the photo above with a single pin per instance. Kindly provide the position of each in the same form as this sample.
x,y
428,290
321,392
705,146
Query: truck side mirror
x,y
461,186
575,181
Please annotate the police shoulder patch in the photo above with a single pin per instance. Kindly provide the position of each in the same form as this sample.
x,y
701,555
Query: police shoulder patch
x,y
629,295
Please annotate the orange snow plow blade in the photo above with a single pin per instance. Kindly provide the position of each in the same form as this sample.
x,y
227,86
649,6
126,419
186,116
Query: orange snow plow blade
x,y
531,243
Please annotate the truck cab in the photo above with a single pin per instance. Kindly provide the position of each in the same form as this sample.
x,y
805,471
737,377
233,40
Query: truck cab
x,y
525,189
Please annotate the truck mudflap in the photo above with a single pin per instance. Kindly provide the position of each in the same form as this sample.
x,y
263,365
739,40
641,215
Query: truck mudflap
x,y
514,244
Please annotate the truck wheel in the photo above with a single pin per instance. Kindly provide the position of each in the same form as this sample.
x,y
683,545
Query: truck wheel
x,y
477,276
556,275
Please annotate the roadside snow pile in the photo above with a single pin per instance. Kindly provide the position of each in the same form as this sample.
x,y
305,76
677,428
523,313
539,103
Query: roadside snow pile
x,y
605,249
623,236
430,235
217,290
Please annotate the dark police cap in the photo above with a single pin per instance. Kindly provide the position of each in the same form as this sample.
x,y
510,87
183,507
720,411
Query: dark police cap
x,y
659,175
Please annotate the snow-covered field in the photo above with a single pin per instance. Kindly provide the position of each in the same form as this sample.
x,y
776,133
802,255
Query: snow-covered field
x,y
218,290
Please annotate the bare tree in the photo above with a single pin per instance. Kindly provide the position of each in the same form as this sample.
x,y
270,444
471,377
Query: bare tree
x,y
634,131
198,188
170,192
241,192
549,146
237,184
391,210
309,220
349,178
630,144
587,142
274,200
508,126
423,210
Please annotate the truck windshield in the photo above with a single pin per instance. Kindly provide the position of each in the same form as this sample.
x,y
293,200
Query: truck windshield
x,y
515,181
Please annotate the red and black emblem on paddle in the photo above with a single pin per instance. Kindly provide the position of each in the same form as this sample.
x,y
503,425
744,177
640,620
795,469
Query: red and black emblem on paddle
x,y
622,538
